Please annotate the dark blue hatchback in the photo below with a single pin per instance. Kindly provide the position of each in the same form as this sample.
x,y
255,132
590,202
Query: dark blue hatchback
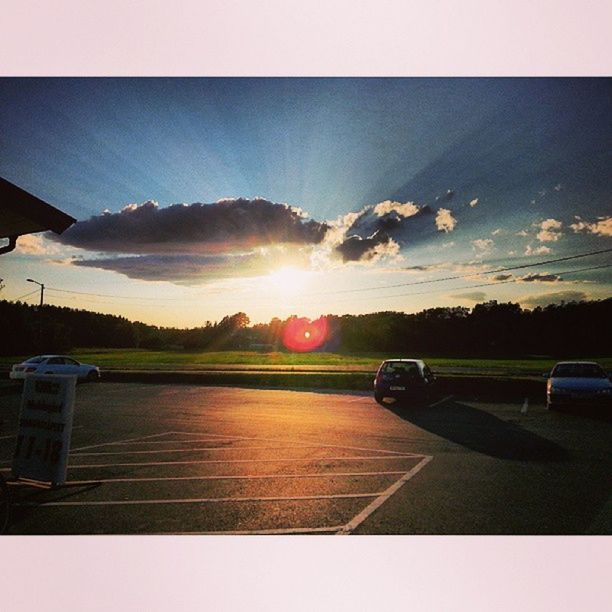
x,y
403,379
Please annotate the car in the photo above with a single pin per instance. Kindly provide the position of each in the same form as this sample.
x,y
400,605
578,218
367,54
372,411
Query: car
x,y
577,383
403,379
54,364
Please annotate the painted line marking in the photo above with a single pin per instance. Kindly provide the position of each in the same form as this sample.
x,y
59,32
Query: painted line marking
x,y
361,448
525,406
445,399
120,441
192,450
14,435
281,531
239,477
385,495
197,500
199,461
215,439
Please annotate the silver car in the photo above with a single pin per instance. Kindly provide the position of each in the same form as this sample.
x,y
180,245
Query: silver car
x,y
54,364
577,383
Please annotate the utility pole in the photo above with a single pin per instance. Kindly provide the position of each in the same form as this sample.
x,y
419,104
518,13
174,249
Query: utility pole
x,y
42,289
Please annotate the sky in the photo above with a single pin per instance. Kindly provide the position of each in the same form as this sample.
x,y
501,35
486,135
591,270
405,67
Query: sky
x,y
197,198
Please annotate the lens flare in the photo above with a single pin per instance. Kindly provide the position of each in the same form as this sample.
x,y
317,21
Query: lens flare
x,y
303,335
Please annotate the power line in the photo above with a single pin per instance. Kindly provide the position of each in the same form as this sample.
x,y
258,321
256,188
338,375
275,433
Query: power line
x,y
504,282
26,295
460,276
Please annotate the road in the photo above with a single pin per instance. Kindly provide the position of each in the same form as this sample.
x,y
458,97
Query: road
x,y
178,459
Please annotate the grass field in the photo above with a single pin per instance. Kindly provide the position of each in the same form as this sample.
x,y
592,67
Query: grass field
x,y
145,359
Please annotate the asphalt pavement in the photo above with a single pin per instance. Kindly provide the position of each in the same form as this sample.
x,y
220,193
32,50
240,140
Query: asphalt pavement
x,y
179,459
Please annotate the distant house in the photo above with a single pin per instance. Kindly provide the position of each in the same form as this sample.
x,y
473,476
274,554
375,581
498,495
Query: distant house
x,y
23,213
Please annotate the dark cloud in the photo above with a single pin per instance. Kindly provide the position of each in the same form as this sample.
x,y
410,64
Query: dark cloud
x,y
194,228
502,277
553,298
356,248
540,278
381,229
474,296
183,269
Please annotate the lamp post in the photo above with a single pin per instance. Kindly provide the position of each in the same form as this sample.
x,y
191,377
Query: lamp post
x,y
42,289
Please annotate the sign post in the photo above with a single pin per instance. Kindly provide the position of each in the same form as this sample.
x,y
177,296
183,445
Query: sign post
x,y
45,427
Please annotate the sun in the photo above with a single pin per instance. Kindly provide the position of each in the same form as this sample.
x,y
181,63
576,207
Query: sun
x,y
288,280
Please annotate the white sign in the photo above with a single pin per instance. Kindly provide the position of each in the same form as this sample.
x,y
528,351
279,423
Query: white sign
x,y
45,427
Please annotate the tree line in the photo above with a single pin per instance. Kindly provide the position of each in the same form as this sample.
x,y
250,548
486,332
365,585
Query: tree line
x,y
488,329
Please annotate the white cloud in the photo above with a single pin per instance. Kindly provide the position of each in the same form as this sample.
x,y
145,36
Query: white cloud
x,y
35,244
601,227
550,230
483,245
445,222
496,232
553,298
522,233
541,250
474,202
405,210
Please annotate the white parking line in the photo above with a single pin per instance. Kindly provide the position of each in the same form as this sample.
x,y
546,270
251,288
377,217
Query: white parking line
x,y
196,500
379,501
525,406
121,441
239,477
281,531
192,450
361,448
444,399
199,461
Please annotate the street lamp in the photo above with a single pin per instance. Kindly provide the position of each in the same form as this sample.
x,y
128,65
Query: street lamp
x,y
42,289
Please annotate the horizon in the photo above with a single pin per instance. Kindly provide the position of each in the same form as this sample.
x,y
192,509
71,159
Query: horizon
x,y
199,197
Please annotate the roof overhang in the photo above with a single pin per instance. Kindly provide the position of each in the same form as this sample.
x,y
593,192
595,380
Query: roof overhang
x,y
23,213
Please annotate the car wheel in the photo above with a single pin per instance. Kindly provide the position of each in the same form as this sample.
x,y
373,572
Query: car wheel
x,y
550,406
379,397
93,376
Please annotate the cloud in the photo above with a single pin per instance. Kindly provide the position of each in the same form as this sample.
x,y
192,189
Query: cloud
x,y
482,245
522,233
541,250
473,202
374,232
474,296
445,222
408,209
558,187
553,298
540,278
35,244
550,230
502,277
183,269
369,249
497,231
224,226
601,227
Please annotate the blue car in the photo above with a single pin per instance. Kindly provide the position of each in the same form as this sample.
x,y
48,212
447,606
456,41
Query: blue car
x,y
403,379
578,383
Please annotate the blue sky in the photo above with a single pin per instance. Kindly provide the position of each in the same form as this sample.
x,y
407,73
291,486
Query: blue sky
x,y
496,171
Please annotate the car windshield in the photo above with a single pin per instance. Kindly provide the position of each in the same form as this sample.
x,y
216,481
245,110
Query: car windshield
x,y
35,360
401,367
578,370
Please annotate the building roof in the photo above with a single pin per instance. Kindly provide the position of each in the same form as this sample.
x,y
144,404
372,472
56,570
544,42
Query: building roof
x,y
23,213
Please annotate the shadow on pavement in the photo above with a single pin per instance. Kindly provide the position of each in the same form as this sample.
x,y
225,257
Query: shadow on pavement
x,y
480,431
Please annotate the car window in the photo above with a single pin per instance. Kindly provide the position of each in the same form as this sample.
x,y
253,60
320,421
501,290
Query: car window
x,y
400,367
55,361
35,360
578,370
69,361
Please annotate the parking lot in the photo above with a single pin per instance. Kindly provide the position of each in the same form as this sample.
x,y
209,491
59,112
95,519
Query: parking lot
x,y
171,459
